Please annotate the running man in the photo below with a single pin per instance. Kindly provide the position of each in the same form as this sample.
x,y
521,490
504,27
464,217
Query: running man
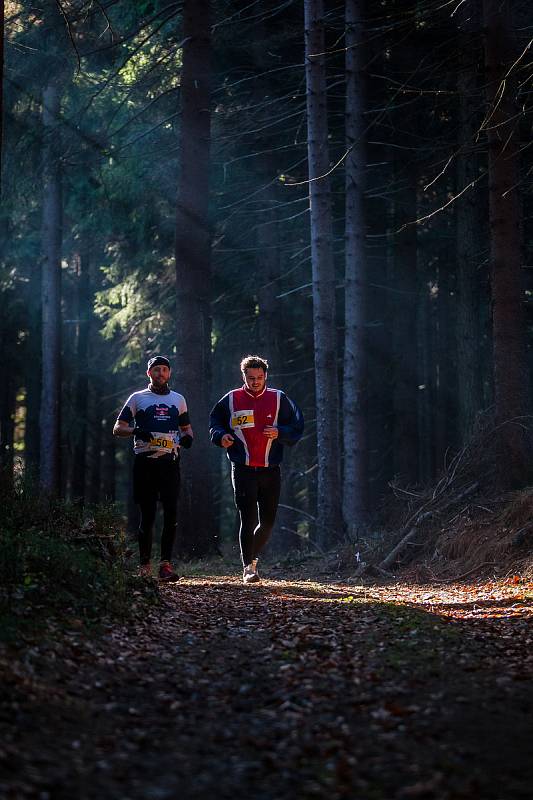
x,y
158,420
253,423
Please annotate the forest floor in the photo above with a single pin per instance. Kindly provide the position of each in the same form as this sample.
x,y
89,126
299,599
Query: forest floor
x,y
295,688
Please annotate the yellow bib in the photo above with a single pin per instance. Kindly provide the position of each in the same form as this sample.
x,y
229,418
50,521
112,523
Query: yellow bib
x,y
242,419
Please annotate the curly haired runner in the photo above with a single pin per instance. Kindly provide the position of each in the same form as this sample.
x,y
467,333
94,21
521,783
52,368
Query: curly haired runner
x,y
158,420
253,423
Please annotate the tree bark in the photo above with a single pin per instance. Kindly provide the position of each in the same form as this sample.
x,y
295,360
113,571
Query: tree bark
x,y
82,378
425,339
192,372
268,270
108,489
404,332
511,379
8,400
355,482
468,227
51,293
444,330
92,488
329,520
33,376
2,14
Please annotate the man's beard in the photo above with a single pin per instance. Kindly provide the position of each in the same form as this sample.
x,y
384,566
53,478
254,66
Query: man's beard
x,y
164,388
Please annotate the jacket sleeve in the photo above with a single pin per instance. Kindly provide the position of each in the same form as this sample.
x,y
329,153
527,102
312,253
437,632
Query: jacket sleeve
x,y
219,420
290,421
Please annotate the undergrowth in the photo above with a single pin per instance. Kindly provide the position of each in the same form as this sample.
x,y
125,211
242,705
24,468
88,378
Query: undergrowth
x,y
61,562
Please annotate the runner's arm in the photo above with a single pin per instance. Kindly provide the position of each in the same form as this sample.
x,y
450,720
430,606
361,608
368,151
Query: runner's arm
x,y
185,427
219,421
122,429
186,436
125,425
290,422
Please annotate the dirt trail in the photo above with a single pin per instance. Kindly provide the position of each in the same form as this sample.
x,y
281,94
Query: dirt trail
x,y
290,689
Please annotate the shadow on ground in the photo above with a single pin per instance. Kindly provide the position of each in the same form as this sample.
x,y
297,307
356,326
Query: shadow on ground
x,y
290,689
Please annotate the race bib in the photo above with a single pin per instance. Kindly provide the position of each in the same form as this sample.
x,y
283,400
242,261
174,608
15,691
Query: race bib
x,y
162,442
242,419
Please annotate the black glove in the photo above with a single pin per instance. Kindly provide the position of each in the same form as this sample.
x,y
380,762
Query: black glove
x,y
186,441
142,434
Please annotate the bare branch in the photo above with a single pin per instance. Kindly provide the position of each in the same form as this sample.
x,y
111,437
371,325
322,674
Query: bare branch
x,y
70,35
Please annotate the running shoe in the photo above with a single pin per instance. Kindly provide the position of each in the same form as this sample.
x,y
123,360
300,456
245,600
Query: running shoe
x,y
250,574
145,571
166,573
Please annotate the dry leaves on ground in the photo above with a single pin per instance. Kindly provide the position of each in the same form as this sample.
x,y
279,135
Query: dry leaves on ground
x,y
289,689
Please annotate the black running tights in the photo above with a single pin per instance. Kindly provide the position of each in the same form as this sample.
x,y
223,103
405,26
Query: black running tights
x,y
155,480
256,497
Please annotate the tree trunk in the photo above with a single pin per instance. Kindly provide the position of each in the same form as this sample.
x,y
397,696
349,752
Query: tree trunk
x,y
444,348
33,376
2,4
355,486
51,294
8,398
92,489
193,281
108,490
267,266
9,362
511,380
82,379
404,332
425,329
329,519
468,227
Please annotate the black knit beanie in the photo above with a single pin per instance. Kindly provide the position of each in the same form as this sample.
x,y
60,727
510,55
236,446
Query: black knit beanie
x,y
155,361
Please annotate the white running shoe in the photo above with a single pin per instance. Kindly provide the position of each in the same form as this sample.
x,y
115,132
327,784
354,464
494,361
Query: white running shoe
x,y
250,573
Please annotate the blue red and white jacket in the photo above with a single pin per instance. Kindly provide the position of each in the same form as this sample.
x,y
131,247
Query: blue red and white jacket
x,y
244,415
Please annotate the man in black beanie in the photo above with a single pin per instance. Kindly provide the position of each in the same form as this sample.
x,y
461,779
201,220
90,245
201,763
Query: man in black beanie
x,y
158,420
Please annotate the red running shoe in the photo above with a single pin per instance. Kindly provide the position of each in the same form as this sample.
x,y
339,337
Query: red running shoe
x,y
166,573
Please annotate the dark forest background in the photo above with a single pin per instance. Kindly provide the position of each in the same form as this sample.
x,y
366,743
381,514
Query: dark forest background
x,y
158,160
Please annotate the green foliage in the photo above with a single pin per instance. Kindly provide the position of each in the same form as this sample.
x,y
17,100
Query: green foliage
x,y
60,562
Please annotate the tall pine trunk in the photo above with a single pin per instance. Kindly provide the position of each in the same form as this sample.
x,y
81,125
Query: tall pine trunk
x,y
268,271
323,271
468,226
96,441
404,330
8,396
33,376
79,465
511,379
426,355
355,485
193,280
51,293
1,86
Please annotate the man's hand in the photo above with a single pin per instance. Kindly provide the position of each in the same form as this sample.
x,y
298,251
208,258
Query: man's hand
x,y
186,440
142,434
271,432
227,440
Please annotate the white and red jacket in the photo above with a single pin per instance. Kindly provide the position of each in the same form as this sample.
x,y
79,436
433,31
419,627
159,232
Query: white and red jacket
x,y
245,415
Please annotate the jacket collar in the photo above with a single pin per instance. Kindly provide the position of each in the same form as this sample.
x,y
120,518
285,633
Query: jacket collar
x,y
255,396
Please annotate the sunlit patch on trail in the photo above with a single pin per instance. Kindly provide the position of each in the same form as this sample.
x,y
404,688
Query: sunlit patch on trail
x,y
489,600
